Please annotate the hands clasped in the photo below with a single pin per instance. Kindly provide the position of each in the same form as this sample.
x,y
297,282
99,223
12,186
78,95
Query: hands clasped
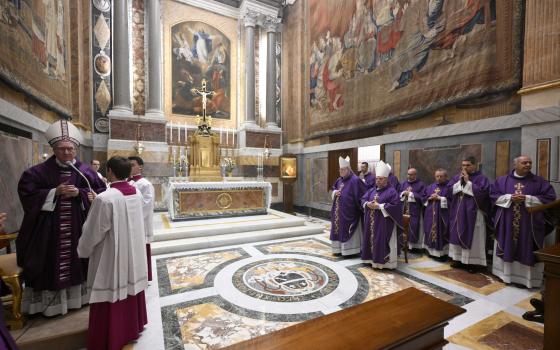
x,y
67,191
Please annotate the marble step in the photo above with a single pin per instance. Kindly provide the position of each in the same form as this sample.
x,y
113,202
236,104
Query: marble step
x,y
195,243
207,228
223,229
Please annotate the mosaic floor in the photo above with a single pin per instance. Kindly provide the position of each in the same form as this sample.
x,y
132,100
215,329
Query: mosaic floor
x,y
216,297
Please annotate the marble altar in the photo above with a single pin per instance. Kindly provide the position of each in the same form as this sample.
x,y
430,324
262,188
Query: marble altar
x,y
202,200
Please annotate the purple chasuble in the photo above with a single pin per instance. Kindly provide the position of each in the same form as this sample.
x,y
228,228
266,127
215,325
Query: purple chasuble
x,y
346,212
518,232
377,228
369,180
48,240
464,208
436,218
414,208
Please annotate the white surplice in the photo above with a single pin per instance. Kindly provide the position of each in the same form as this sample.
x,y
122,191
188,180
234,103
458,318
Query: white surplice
x,y
148,196
113,239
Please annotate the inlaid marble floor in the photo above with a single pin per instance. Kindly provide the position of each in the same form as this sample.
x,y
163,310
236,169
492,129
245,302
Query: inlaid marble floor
x,y
211,298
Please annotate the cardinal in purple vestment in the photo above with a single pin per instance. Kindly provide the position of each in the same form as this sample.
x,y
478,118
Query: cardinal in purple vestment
x,y
436,215
520,233
382,222
393,181
469,211
412,192
346,212
55,198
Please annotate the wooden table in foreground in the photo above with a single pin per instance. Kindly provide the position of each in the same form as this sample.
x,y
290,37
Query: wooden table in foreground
x,y
551,258
408,319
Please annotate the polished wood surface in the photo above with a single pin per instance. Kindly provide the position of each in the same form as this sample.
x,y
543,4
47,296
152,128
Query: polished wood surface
x,y
288,196
551,258
553,210
408,319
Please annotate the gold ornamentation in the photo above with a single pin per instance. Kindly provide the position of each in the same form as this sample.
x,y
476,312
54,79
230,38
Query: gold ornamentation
x,y
371,225
336,208
539,87
517,214
224,200
433,234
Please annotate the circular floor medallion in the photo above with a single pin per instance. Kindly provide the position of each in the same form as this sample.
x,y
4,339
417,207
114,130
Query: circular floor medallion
x,y
285,280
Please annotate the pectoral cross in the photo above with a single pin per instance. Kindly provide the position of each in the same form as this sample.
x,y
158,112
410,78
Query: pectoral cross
x,y
519,188
375,198
437,191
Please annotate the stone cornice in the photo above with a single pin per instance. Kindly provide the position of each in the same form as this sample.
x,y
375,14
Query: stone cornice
x,y
253,6
213,6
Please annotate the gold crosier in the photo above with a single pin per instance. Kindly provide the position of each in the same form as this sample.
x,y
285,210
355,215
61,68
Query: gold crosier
x,y
433,230
517,213
371,224
336,208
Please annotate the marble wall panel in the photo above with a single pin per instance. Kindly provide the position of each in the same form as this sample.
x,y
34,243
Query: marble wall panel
x,y
138,58
427,160
543,158
17,155
319,184
502,158
446,151
128,129
396,162
257,139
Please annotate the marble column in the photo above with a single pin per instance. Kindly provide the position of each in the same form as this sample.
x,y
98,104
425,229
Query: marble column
x,y
271,27
250,23
154,106
121,61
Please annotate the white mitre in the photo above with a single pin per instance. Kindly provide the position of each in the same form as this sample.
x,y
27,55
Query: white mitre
x,y
63,130
344,162
382,169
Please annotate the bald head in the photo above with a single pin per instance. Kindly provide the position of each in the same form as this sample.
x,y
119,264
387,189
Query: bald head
x,y
522,165
411,174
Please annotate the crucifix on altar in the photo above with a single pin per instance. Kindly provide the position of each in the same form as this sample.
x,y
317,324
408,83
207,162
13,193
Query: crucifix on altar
x,y
204,123
205,144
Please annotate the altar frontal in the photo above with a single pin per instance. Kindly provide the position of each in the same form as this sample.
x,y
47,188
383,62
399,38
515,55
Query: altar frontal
x,y
202,200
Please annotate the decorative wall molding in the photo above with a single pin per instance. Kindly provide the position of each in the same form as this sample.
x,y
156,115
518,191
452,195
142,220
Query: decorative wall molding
x,y
537,116
213,6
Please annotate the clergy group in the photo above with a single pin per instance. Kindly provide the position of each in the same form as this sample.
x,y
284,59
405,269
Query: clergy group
x,y
463,218
82,242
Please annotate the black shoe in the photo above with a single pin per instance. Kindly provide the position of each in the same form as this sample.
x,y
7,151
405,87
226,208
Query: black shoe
x,y
471,269
537,304
457,265
534,316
